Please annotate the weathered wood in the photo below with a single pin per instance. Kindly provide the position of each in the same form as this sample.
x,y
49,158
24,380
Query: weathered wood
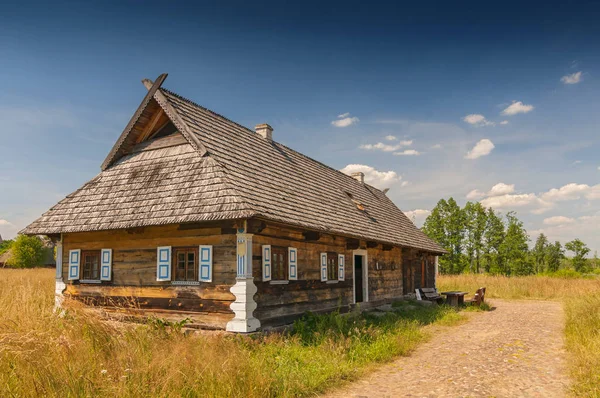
x,y
149,128
176,118
113,154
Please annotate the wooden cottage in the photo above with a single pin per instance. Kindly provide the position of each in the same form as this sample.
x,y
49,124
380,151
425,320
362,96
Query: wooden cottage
x,y
195,216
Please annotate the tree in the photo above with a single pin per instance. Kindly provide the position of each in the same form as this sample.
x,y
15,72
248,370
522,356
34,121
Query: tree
x,y
5,245
539,253
475,226
445,225
26,252
554,253
514,248
493,237
580,250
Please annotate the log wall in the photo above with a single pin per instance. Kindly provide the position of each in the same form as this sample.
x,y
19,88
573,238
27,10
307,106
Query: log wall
x,y
134,283
280,303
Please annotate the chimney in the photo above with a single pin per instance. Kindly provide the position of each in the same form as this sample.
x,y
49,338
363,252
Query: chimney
x,y
265,131
359,176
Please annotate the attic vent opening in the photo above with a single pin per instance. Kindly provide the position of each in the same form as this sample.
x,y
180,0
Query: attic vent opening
x,y
168,129
358,203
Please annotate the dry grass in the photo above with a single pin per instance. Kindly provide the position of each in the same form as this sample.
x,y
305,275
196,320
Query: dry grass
x,y
581,298
82,355
525,287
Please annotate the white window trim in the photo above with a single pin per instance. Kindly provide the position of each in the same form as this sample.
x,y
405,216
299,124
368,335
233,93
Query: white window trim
x,y
330,282
90,281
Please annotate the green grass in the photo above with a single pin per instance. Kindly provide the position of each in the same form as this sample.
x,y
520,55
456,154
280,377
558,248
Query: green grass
x,y
581,298
83,355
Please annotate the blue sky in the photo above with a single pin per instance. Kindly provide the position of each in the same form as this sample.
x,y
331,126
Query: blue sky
x,y
441,79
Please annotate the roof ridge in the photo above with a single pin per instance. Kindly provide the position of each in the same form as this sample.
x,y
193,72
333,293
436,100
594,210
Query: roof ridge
x,y
181,97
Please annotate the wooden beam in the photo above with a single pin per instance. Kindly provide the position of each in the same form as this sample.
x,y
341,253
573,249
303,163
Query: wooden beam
x,y
146,133
112,155
176,119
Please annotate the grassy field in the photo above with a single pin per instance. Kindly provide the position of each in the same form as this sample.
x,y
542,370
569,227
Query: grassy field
x,y
81,354
581,298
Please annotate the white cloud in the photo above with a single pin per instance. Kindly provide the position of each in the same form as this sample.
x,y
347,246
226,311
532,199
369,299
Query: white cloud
x,y
391,137
567,192
578,162
504,201
477,120
379,179
558,220
408,152
475,194
573,78
517,107
386,147
593,193
501,189
439,146
482,148
344,120
417,216
5,223
504,122
404,183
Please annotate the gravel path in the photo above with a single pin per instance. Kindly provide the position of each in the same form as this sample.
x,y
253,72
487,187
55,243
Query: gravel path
x,y
515,350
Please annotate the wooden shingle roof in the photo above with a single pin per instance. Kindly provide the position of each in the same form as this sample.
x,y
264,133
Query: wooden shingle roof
x,y
235,174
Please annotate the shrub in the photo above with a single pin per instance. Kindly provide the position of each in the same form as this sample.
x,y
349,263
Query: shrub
x,y
26,252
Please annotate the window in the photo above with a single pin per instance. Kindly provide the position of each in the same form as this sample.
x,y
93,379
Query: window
x,y
185,267
279,261
332,266
91,265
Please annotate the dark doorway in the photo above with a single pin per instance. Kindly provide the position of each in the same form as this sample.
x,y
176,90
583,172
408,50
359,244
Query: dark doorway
x,y
358,279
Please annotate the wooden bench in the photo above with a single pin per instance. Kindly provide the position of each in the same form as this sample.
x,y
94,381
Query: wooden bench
x,y
479,297
431,294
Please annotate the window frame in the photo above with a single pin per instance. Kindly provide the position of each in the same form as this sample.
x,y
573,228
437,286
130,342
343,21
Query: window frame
x,y
195,266
98,255
285,264
335,265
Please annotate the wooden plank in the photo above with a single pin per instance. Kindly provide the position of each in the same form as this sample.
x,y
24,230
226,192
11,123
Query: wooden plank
x,y
176,118
113,154
150,126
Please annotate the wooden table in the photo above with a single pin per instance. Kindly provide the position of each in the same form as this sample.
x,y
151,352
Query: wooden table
x,y
455,298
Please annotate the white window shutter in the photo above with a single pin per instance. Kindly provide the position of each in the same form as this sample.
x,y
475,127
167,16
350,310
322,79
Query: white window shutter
x,y
341,268
266,263
163,263
74,261
105,264
293,260
323,267
206,263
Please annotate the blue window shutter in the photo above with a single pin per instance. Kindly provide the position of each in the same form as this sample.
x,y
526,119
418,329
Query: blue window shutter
x,y
74,260
105,264
341,268
266,263
293,260
163,263
323,267
206,263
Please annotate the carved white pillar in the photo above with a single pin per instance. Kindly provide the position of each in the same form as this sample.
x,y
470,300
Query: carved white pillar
x,y
60,284
244,288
